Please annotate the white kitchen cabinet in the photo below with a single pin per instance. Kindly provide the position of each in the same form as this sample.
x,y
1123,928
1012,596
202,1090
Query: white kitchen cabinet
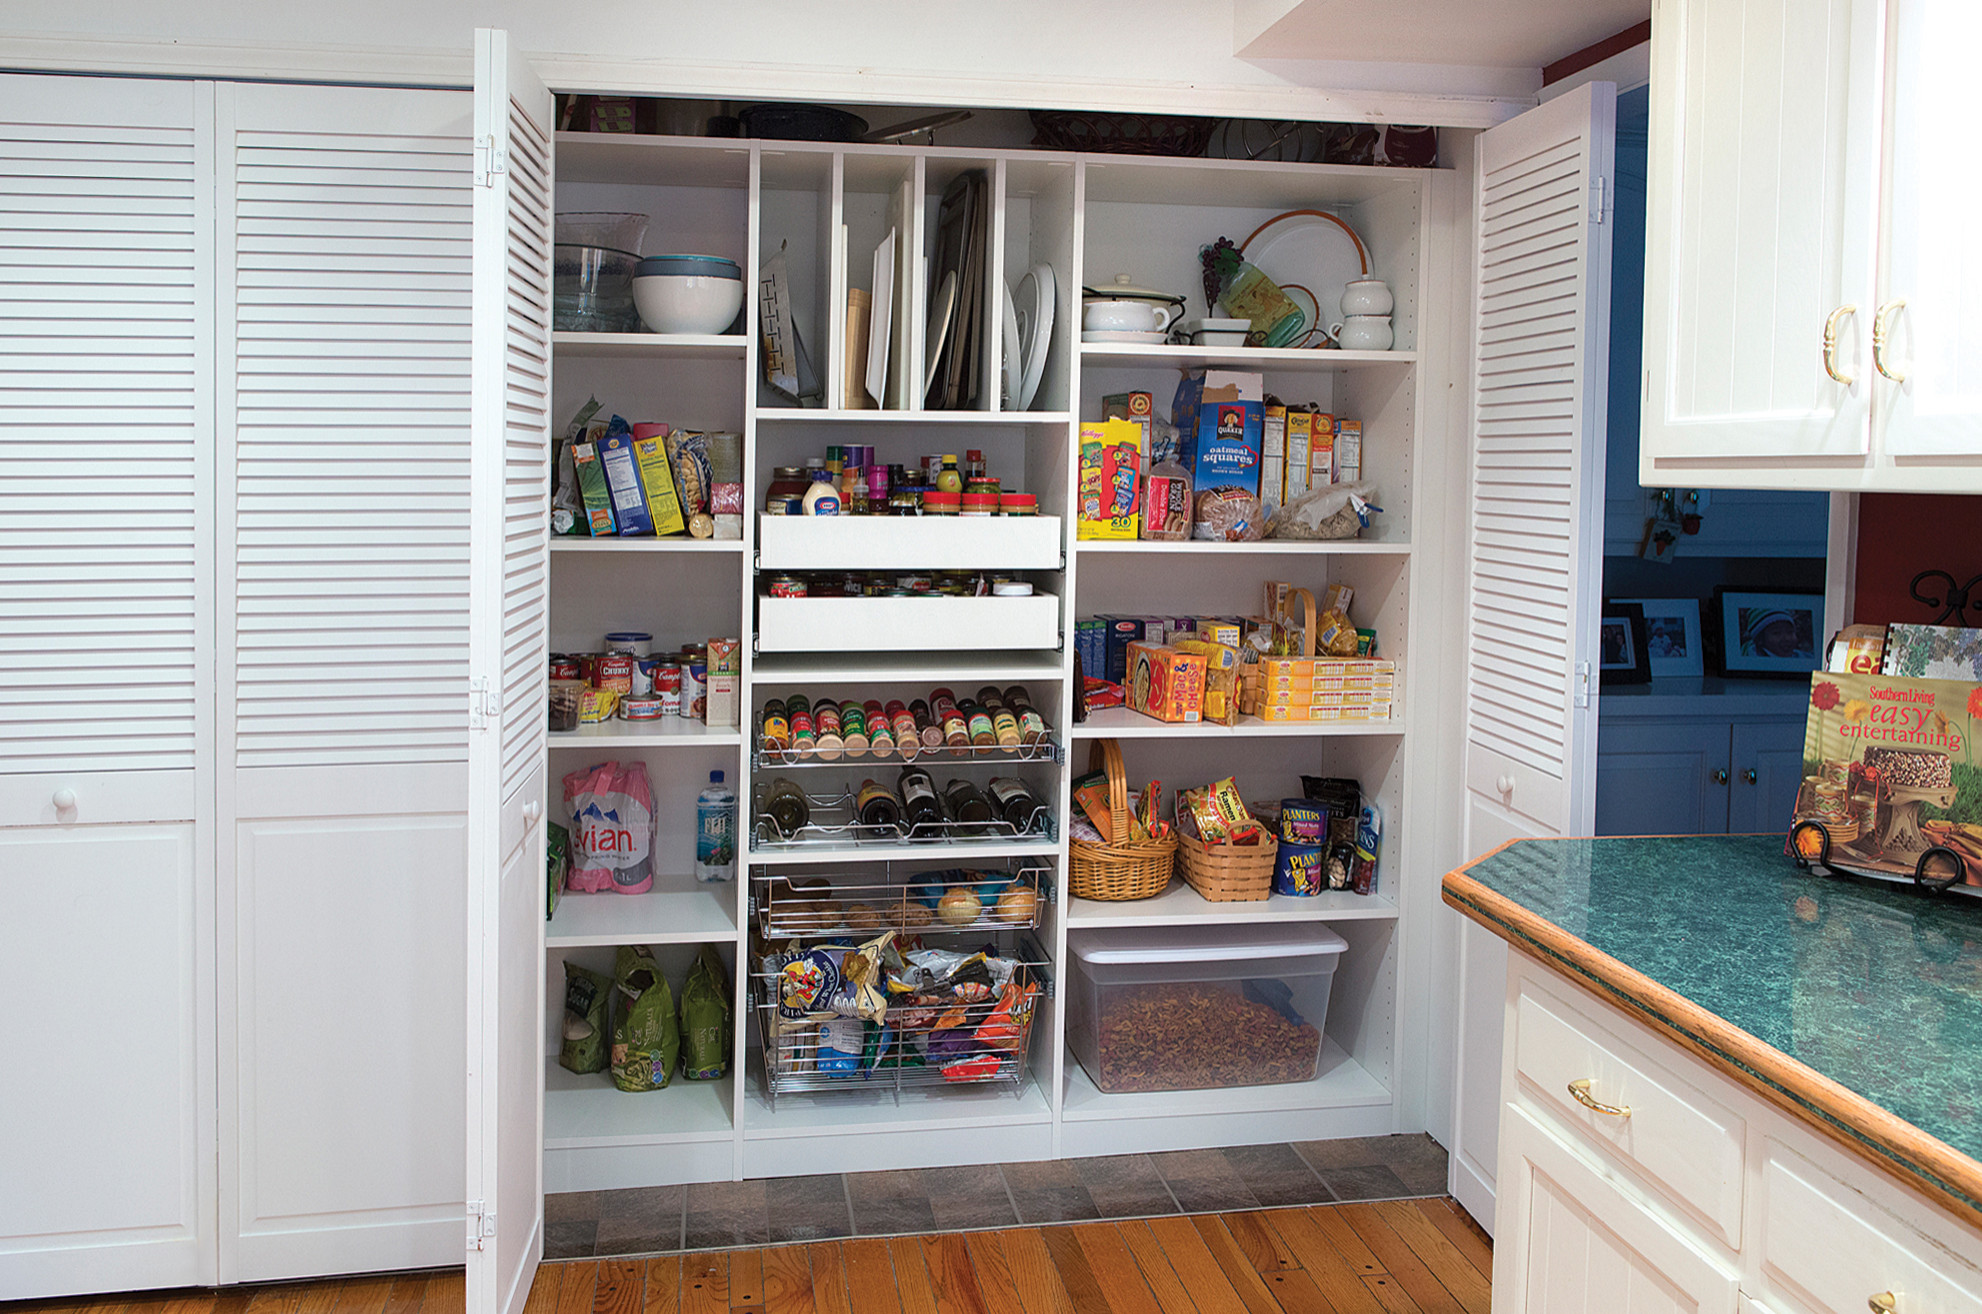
x,y
1809,305
1729,763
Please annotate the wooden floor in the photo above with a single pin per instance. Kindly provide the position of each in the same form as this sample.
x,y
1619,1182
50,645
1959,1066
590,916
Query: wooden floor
x,y
1396,1257
1402,1256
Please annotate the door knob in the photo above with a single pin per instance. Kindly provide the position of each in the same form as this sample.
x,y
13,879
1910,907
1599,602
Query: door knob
x,y
1505,784
1720,776
532,810
1749,775
65,800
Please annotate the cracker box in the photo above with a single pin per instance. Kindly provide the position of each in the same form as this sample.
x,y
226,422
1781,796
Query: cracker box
x,y
1110,479
1220,417
1348,451
1217,629
1888,775
1221,678
1166,683
657,479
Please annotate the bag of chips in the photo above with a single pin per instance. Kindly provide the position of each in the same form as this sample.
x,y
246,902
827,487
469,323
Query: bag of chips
x,y
645,1038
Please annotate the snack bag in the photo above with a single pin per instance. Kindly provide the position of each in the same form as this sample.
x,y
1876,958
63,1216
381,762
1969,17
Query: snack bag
x,y
612,828
587,998
705,1026
689,454
645,1040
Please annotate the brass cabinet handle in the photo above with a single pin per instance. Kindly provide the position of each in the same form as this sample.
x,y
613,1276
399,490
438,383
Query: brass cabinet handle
x,y
1580,1088
1830,344
1882,324
1883,1303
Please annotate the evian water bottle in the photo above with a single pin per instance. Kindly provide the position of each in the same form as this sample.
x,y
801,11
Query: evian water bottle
x,y
715,831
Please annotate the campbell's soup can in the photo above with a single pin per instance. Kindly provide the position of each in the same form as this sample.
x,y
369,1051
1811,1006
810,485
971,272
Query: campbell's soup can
x,y
644,670
667,688
616,672
564,667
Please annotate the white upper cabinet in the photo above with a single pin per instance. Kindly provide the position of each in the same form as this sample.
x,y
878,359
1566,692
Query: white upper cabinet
x,y
1805,281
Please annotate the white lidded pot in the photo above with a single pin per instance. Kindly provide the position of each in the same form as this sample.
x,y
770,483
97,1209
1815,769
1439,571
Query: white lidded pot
x,y
1366,296
1363,333
1120,307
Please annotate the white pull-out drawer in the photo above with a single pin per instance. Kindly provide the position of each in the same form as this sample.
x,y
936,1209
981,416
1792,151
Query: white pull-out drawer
x,y
918,624
1832,1247
908,542
1685,1144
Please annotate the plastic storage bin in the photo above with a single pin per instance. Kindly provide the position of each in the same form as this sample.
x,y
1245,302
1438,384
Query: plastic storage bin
x,y
1191,1008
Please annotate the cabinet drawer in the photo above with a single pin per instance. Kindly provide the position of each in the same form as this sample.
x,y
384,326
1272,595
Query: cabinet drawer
x,y
1831,1246
1684,1143
922,624
909,543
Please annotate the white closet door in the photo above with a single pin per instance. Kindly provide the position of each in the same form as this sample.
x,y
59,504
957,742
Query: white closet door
x,y
1542,280
344,439
1764,137
1929,261
509,611
106,399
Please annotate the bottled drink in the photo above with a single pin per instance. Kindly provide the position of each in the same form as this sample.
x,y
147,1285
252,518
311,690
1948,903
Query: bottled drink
x,y
966,804
787,808
1014,802
919,804
715,831
878,805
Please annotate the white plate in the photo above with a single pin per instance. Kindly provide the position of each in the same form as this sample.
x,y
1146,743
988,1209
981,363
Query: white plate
x,y
1312,253
1122,335
1035,329
940,312
1014,373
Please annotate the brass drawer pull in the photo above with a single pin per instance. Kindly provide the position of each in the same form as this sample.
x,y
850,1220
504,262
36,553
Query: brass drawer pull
x,y
1580,1088
1882,328
1830,344
1883,1303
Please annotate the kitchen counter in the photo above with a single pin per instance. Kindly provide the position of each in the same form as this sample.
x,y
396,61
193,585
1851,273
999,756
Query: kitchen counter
x,y
1855,1007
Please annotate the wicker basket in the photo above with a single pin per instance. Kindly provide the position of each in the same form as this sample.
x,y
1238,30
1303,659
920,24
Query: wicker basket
x,y
1126,869
1228,873
1121,134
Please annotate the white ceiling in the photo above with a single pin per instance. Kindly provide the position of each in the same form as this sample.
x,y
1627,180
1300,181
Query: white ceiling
x,y
1492,33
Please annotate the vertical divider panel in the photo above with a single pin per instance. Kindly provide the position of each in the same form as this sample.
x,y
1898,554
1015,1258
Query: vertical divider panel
x,y
833,239
994,297
912,293
746,607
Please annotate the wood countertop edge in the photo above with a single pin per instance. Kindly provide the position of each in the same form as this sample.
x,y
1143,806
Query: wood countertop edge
x,y
1881,1138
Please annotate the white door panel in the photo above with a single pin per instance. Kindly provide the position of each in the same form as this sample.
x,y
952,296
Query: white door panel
x,y
1535,538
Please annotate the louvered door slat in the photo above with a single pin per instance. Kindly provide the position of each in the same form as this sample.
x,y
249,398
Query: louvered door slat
x,y
350,488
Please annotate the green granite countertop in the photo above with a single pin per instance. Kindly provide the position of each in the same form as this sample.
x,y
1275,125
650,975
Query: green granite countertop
x,y
1875,987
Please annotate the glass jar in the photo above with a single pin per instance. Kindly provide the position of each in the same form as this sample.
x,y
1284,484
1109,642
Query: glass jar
x,y
979,504
939,503
1018,504
786,495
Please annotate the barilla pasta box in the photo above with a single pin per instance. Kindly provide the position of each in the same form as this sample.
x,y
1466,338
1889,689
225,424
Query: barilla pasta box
x,y
1110,479
1220,417
1166,683
592,489
657,479
1121,632
629,504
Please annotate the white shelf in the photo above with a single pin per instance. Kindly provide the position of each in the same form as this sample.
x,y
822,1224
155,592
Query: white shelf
x,y
854,1111
1353,547
642,160
585,1110
908,543
1341,1083
617,545
678,910
1181,905
569,345
1278,360
880,667
955,854
779,414
661,732
1121,723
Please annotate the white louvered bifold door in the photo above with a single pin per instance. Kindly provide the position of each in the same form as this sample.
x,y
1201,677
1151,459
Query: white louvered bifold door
x,y
509,615
106,713
1541,321
346,241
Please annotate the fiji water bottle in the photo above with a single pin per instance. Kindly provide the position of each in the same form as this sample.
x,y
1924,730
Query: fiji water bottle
x,y
715,831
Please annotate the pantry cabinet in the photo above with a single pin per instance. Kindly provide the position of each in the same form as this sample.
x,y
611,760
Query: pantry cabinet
x,y
1805,284
1679,764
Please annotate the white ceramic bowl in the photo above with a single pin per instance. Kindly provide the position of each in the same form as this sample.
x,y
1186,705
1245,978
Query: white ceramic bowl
x,y
1367,296
673,296
1126,316
1364,333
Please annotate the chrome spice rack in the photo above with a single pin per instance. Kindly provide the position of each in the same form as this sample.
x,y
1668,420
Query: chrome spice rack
x,y
1044,749
861,907
835,823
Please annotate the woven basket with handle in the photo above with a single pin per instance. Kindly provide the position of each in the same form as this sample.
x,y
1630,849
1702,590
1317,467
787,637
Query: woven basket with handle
x,y
1228,873
1122,868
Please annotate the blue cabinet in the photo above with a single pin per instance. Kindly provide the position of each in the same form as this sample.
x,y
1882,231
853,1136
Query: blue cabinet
x,y
1700,759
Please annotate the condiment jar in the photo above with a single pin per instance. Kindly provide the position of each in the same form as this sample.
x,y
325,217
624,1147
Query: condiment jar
x,y
786,495
980,505
1018,504
940,503
948,480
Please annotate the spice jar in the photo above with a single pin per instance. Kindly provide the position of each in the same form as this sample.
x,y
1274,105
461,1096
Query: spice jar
x,y
786,495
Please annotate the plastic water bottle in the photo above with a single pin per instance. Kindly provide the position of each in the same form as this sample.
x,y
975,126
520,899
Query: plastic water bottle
x,y
715,831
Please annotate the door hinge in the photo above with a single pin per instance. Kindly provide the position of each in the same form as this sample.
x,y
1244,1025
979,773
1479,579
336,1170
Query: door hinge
x,y
1581,693
490,161
481,1225
484,703
1599,198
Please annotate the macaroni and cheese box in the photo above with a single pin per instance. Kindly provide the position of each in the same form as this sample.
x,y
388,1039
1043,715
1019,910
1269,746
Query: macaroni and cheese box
x,y
1166,683
1110,479
1221,678
1220,417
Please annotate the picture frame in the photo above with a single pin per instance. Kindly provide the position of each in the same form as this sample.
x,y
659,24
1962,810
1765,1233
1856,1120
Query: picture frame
x,y
1672,636
1622,657
1768,634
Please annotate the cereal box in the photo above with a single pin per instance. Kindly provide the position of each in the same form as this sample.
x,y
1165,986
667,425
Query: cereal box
x,y
1166,683
1273,454
1321,452
1300,438
1110,479
1348,451
1219,416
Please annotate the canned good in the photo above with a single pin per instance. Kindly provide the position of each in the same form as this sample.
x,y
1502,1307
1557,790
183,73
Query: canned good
x,y
634,707
637,642
695,691
616,672
565,667
913,583
667,688
787,586
645,669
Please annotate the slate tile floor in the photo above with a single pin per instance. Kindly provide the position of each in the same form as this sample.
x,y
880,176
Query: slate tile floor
x,y
731,1215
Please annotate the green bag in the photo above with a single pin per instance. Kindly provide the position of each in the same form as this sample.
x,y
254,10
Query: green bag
x,y
587,997
705,1027
644,1037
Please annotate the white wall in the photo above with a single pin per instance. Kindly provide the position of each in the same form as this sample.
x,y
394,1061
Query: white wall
x,y
1151,56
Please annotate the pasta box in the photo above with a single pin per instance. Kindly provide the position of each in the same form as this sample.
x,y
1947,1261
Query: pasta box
x,y
1221,417
1166,683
